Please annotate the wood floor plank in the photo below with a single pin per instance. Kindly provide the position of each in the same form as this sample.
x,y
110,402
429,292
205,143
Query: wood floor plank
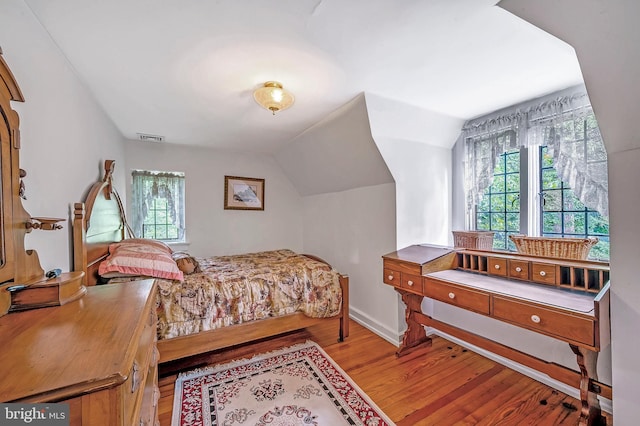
x,y
444,384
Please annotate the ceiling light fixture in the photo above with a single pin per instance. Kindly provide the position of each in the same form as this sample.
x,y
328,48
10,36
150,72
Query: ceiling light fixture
x,y
273,97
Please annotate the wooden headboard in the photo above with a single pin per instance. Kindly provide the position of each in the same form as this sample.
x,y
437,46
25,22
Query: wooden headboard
x,y
97,222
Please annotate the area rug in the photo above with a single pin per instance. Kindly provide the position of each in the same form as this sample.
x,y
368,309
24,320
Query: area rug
x,y
298,385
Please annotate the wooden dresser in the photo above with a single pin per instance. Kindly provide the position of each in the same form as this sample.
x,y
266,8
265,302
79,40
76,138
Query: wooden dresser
x,y
564,299
98,354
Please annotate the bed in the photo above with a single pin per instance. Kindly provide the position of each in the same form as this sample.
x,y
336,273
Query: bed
x,y
204,319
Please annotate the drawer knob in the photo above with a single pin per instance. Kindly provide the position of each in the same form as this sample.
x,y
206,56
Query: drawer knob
x,y
535,319
390,277
543,273
410,283
452,295
497,266
518,269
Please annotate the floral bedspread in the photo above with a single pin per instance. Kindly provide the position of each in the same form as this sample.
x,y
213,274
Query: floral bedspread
x,y
239,288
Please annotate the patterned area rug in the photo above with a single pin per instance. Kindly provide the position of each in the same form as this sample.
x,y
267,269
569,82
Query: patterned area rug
x,y
299,385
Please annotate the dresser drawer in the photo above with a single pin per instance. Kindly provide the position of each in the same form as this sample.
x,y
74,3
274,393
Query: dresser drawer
x,y
133,390
411,283
149,410
544,273
457,296
519,269
392,277
497,266
557,324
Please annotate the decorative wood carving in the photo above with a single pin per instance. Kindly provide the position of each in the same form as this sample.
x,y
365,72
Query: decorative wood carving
x,y
590,414
17,265
415,335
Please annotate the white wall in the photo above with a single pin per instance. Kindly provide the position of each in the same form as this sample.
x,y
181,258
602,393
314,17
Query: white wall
x,y
352,230
211,230
624,202
423,190
415,144
65,135
458,202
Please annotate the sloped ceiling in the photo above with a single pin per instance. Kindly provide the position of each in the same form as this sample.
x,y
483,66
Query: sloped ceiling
x,y
397,120
609,73
336,154
186,69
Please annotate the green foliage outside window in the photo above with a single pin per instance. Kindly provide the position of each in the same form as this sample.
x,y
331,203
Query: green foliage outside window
x,y
158,205
563,215
157,224
499,209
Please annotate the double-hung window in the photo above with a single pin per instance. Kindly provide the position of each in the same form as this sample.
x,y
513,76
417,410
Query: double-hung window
x,y
539,170
158,205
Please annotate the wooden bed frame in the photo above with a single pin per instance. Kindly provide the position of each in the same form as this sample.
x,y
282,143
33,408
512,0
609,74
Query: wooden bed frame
x,y
100,220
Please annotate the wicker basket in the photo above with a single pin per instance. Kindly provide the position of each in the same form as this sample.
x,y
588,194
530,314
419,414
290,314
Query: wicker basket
x,y
473,239
565,248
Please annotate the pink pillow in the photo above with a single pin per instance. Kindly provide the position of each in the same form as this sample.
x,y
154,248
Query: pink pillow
x,y
146,241
131,257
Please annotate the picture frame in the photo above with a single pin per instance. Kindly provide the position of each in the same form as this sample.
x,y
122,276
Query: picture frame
x,y
243,193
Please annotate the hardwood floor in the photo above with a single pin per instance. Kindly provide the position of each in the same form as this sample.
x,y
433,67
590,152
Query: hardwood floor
x,y
442,385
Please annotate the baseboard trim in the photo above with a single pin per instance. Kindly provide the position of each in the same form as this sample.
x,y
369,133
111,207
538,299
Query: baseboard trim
x,y
374,326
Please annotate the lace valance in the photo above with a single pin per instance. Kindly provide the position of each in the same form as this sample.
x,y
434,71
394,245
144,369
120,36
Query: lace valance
x,y
564,122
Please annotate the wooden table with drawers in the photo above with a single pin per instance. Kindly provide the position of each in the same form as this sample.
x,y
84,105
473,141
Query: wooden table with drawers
x,y
564,299
98,354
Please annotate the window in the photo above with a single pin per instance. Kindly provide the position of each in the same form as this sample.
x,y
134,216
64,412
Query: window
x,y
158,205
499,208
564,215
538,170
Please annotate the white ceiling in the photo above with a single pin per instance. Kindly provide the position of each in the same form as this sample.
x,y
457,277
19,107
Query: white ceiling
x,y
186,69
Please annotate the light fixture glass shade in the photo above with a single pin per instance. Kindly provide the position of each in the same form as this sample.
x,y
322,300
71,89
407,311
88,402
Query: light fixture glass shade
x,y
273,97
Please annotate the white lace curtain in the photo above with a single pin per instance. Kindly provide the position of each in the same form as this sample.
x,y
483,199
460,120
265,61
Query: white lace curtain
x,y
149,185
564,122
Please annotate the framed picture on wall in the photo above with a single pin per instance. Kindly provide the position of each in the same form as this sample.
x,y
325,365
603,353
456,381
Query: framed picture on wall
x,y
243,193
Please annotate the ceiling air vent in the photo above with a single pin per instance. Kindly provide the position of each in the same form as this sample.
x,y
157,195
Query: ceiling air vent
x,y
150,138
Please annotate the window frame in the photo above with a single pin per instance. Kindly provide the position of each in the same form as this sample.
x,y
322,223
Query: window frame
x,y
178,199
504,193
531,199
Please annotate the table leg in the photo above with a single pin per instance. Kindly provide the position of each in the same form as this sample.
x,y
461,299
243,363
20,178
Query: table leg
x,y
415,335
590,414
